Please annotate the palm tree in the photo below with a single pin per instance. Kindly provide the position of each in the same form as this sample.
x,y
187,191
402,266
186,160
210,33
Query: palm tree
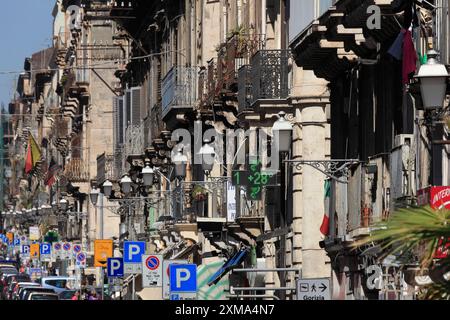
x,y
418,230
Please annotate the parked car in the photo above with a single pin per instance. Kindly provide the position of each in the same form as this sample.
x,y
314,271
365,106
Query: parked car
x,y
19,286
28,290
66,294
58,284
11,282
4,273
42,296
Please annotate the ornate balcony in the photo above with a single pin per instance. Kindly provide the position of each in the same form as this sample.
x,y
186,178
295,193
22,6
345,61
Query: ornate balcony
x,y
269,74
234,54
77,170
179,90
208,84
264,79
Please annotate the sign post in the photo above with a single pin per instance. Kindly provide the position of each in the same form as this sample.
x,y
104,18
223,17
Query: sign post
x,y
313,289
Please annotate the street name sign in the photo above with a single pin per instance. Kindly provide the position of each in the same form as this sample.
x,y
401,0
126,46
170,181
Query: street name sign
x,y
115,267
152,269
132,256
183,281
166,276
313,289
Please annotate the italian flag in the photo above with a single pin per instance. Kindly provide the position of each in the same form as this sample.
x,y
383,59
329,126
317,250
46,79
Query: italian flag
x,y
325,227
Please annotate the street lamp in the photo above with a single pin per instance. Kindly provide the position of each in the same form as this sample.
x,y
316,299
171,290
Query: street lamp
x,y
147,175
433,81
64,204
94,195
208,154
125,184
180,162
107,188
282,132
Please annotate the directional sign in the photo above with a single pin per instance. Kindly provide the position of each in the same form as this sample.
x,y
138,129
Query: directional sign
x,y
166,276
313,289
132,256
34,233
152,270
115,267
183,281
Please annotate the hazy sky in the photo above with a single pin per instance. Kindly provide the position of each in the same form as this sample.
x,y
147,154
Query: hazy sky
x,y
25,28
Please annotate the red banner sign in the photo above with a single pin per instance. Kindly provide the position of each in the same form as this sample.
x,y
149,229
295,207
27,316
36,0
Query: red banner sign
x,y
437,198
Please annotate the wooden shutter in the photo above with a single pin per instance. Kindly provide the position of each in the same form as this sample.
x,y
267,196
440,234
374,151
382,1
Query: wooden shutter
x,y
136,106
128,107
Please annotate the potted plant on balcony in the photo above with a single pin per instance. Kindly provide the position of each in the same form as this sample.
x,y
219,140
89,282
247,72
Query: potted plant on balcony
x,y
199,193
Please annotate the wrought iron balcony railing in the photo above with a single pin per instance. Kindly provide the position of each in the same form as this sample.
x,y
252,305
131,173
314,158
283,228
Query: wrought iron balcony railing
x,y
234,54
207,83
270,75
179,89
77,170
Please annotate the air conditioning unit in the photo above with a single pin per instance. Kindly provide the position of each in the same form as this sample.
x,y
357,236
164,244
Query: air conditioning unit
x,y
403,139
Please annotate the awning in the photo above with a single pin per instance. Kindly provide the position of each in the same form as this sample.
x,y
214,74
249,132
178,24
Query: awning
x,y
232,263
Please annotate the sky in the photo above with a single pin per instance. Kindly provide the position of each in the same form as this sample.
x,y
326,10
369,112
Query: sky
x,y
25,28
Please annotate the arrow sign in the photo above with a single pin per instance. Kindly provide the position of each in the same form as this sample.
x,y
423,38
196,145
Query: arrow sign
x,y
323,287
313,289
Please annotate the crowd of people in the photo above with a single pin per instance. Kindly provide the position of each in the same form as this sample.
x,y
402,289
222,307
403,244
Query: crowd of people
x,y
86,295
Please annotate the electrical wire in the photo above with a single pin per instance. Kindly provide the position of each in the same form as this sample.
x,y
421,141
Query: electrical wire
x,y
92,66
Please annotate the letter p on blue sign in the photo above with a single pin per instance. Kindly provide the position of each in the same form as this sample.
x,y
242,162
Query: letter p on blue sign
x,y
183,278
115,267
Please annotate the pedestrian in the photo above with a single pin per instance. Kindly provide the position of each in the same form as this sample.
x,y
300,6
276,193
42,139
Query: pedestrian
x,y
76,296
93,295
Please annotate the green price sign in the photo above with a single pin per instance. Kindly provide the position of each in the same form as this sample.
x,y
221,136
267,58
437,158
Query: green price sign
x,y
240,178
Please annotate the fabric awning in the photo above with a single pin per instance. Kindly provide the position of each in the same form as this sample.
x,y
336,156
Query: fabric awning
x,y
232,263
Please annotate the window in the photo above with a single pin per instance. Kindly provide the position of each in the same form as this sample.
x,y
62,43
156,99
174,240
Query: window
x,y
56,283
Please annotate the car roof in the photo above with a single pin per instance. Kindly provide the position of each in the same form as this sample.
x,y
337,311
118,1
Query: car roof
x,y
58,278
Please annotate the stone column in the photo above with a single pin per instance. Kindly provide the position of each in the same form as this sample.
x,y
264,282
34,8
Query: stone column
x,y
310,143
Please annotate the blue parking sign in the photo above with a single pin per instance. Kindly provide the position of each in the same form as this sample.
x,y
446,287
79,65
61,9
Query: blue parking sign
x,y
115,267
16,242
183,278
46,248
133,251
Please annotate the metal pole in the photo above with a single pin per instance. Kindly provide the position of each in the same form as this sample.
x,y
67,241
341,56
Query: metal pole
x,y
133,290
282,254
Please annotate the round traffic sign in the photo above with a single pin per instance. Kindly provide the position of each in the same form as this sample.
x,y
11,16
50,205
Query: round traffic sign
x,y
58,246
66,246
152,263
81,257
77,248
